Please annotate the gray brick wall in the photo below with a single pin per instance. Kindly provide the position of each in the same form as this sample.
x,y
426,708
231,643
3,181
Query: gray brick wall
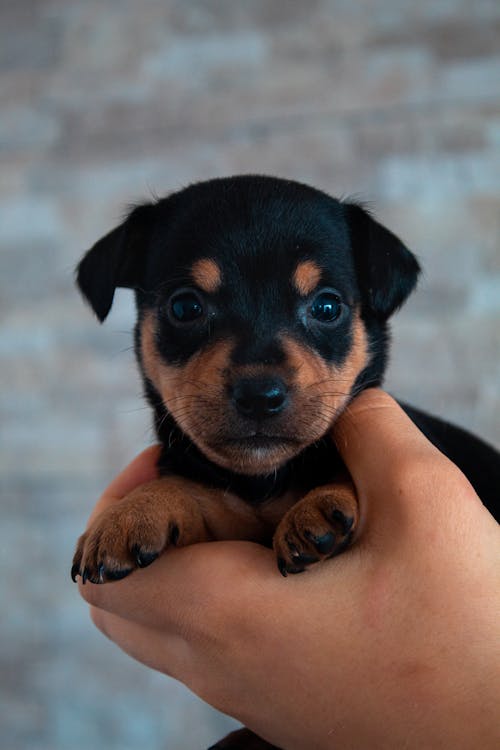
x,y
102,103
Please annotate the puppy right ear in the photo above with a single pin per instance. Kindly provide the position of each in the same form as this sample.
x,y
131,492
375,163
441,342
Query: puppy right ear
x,y
387,270
116,260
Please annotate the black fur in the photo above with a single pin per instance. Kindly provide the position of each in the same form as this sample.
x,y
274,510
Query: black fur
x,y
259,228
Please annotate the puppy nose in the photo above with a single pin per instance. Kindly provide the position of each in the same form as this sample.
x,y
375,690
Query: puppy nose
x,y
260,397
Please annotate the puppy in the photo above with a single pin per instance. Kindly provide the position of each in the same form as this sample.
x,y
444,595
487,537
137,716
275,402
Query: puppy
x,y
263,309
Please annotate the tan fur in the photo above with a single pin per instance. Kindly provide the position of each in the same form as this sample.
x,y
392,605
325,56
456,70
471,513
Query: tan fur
x,y
207,275
196,396
144,520
143,523
192,392
306,277
325,388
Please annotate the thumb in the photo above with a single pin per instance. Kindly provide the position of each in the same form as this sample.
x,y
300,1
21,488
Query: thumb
x,y
396,470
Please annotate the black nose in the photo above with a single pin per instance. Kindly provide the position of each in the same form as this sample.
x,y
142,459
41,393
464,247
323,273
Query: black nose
x,y
259,398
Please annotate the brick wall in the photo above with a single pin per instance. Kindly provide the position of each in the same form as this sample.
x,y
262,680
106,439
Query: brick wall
x,y
103,103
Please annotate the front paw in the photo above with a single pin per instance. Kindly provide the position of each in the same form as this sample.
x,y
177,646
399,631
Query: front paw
x,y
134,531
319,526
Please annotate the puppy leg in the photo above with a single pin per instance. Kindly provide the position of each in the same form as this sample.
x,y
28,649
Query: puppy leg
x,y
243,739
319,526
132,532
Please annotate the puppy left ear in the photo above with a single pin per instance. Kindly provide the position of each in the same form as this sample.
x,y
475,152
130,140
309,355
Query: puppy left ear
x,y
387,271
116,260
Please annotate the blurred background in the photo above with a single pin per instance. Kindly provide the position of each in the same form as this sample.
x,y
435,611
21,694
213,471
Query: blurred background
x,y
103,103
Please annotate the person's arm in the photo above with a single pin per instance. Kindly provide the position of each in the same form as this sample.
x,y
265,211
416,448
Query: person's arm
x,y
394,644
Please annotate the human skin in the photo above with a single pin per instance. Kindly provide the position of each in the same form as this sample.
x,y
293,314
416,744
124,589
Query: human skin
x,y
394,644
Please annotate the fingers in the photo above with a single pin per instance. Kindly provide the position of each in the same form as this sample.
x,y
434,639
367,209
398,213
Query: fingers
x,y
161,650
141,470
187,586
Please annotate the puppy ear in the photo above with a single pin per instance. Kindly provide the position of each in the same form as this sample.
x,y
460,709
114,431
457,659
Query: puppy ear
x,y
387,271
116,260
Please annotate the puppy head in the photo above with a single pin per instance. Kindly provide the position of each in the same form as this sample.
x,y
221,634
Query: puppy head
x,y
262,305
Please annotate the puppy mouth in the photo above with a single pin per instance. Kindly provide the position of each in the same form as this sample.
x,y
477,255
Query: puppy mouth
x,y
260,441
255,453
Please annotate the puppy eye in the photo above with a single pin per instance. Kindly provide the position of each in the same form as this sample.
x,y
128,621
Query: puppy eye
x,y
185,307
326,307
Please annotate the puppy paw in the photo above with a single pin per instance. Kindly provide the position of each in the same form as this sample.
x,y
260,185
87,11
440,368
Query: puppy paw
x,y
134,531
319,526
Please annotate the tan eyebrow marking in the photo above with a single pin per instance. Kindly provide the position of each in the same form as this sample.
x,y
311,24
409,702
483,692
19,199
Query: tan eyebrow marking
x,y
306,277
207,275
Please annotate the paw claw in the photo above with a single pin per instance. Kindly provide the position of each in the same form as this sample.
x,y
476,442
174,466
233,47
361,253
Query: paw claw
x,y
282,567
346,522
100,573
143,559
118,575
293,549
174,535
342,545
296,571
286,569
324,544
305,559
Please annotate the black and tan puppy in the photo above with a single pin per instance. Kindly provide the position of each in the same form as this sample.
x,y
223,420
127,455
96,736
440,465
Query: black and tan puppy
x,y
262,310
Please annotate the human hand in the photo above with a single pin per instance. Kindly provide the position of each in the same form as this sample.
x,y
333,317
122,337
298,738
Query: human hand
x,y
393,644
